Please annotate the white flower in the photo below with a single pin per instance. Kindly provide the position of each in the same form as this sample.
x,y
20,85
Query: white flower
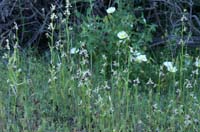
x,y
150,82
168,64
122,35
141,58
74,50
170,67
184,18
110,10
53,7
173,69
197,62
53,16
51,26
16,26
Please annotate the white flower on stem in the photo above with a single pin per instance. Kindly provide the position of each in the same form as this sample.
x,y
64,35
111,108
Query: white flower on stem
x,y
170,67
51,26
7,44
53,16
16,26
144,20
141,58
122,35
150,82
184,18
74,50
110,10
197,62
53,7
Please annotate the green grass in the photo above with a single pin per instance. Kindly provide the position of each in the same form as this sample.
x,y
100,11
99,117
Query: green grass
x,y
67,96
103,87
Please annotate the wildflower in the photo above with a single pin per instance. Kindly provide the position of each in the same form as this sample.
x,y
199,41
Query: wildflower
x,y
49,80
53,7
185,10
188,83
106,86
197,62
63,54
70,28
16,26
110,10
176,112
19,70
144,20
184,18
104,57
122,35
51,26
195,72
53,16
150,82
170,67
141,58
58,66
86,73
196,121
116,64
187,121
188,60
155,106
178,91
136,82
74,51
68,5
181,42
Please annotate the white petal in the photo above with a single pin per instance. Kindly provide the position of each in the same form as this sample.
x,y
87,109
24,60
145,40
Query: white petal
x,y
74,51
122,35
110,10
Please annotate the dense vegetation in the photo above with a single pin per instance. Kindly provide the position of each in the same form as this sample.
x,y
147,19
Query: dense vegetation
x,y
99,66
